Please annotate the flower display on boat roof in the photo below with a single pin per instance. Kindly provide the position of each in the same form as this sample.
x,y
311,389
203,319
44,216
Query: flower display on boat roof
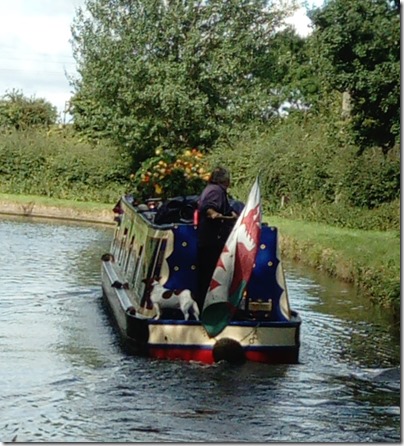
x,y
170,173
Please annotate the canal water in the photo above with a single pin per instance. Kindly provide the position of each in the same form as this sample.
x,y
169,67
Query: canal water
x,y
64,377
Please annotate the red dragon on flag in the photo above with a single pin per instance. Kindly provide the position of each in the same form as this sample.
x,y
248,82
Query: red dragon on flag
x,y
234,267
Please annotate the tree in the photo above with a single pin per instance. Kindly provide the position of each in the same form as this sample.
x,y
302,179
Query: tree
x,y
358,49
172,73
20,112
297,83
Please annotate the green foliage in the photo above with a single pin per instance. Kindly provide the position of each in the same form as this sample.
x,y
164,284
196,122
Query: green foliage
x,y
293,159
356,47
40,164
291,68
20,113
306,174
373,178
173,74
385,217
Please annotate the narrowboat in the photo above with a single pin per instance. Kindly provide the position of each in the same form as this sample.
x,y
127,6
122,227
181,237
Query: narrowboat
x,y
157,241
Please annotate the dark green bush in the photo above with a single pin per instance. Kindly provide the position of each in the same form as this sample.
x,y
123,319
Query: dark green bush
x,y
19,112
373,178
309,171
293,157
384,217
41,164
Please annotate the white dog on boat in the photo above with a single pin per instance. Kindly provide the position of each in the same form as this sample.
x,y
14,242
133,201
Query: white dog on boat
x,y
162,297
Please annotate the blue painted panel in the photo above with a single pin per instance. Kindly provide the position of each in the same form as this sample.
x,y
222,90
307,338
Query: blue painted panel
x,y
182,262
263,285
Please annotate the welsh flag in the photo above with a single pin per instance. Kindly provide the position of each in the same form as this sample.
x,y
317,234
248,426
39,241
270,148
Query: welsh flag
x,y
234,267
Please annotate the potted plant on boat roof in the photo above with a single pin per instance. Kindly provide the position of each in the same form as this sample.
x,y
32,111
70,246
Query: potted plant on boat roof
x,y
170,174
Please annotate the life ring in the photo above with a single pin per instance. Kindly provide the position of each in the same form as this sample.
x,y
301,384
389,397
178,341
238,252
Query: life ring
x,y
229,350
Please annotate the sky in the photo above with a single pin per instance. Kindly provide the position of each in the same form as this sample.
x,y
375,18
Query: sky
x,y
35,50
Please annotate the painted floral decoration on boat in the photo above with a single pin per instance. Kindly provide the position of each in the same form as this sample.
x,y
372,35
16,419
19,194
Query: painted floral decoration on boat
x,y
170,173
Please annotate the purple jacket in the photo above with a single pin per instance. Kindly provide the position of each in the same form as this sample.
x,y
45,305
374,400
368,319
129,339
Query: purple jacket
x,y
213,232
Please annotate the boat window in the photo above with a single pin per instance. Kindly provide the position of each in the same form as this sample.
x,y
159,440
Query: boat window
x,y
137,277
129,258
121,251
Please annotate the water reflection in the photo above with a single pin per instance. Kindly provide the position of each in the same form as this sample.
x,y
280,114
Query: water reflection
x,y
64,377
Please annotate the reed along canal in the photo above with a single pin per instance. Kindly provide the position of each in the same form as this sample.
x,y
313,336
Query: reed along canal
x,y
64,377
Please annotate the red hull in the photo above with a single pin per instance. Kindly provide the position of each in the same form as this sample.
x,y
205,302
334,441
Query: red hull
x,y
190,354
206,355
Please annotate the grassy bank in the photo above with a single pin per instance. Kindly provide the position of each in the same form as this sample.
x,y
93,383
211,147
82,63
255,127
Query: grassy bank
x,y
369,259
